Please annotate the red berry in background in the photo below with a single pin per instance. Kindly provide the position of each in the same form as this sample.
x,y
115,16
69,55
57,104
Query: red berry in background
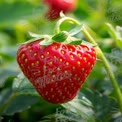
x,y
53,14
58,70
56,6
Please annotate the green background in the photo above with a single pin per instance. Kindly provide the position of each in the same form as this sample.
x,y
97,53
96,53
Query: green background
x,y
96,102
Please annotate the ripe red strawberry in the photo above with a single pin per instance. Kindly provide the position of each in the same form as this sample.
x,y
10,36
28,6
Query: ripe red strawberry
x,y
58,70
53,14
56,6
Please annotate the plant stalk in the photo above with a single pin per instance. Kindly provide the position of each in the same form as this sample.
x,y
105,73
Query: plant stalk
x,y
57,28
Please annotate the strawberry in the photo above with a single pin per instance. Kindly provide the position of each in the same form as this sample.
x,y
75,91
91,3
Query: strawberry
x,y
56,6
53,14
57,71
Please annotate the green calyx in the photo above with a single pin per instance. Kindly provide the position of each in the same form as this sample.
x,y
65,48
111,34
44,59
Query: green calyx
x,y
66,38
60,36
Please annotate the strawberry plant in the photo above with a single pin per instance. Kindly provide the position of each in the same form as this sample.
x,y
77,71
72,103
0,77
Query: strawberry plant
x,y
69,70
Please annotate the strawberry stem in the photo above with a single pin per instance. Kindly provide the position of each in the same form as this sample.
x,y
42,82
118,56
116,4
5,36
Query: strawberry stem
x,y
107,66
20,37
63,19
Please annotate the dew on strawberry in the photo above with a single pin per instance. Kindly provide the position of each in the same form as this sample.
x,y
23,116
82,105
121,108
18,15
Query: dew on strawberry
x,y
56,70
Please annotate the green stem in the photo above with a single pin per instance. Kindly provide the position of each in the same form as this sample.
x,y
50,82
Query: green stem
x,y
57,28
114,34
111,31
107,66
20,37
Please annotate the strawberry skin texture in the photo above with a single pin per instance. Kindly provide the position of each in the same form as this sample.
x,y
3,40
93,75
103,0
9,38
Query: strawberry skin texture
x,y
57,71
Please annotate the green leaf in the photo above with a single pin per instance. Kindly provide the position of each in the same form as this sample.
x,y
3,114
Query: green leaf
x,y
61,117
21,89
88,43
115,56
46,42
100,101
119,31
38,35
77,42
117,117
116,34
60,37
75,30
77,110
4,95
20,103
81,108
16,101
22,85
35,35
119,43
7,69
32,40
92,32
44,39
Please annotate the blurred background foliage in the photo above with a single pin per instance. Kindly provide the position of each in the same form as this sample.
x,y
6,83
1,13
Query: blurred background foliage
x,y
96,102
